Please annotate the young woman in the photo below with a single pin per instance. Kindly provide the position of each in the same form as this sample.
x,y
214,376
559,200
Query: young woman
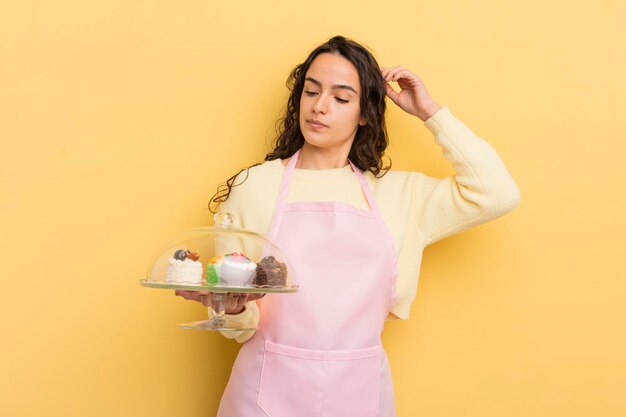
x,y
354,232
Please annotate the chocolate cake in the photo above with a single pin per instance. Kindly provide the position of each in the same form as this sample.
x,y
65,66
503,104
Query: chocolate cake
x,y
270,272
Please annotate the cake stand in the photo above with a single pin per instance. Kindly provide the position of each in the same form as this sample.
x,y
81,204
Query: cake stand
x,y
209,253
219,293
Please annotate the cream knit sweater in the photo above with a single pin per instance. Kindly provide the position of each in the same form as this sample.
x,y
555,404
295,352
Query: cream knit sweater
x,y
417,209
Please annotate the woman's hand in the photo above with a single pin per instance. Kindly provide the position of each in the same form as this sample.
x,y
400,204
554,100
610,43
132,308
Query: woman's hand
x,y
235,301
413,97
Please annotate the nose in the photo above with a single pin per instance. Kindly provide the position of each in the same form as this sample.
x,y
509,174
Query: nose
x,y
320,105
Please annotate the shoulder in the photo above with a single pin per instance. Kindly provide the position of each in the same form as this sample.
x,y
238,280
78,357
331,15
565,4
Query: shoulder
x,y
254,187
397,187
252,197
394,180
259,174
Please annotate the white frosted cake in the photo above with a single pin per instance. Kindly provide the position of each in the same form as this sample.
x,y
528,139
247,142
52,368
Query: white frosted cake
x,y
237,270
184,268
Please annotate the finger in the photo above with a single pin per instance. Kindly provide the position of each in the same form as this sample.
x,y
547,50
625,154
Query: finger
x,y
206,300
392,71
187,295
391,93
233,300
241,301
386,71
255,296
389,70
401,73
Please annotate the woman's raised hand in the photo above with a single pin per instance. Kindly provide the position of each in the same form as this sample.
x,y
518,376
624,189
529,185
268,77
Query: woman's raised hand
x,y
234,301
413,97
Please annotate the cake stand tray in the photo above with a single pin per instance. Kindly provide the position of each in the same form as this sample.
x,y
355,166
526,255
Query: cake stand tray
x,y
215,288
220,321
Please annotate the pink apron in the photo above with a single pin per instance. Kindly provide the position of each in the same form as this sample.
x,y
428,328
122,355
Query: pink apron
x,y
318,352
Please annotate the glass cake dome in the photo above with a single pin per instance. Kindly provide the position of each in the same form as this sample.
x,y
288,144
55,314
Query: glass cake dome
x,y
221,259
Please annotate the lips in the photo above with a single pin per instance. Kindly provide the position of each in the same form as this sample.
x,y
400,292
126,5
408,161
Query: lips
x,y
316,123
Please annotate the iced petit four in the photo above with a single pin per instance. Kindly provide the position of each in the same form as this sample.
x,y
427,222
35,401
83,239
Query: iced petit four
x,y
213,270
236,270
270,272
184,268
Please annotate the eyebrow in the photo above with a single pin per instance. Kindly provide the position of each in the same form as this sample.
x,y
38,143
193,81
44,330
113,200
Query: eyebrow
x,y
336,86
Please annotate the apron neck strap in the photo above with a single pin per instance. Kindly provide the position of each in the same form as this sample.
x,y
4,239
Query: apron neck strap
x,y
366,188
291,166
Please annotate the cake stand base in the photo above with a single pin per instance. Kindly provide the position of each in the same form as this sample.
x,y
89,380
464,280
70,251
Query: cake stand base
x,y
218,325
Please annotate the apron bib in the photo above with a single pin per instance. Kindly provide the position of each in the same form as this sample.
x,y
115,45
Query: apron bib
x,y
318,352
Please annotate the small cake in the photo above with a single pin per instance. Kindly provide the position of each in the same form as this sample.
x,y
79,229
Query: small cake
x,y
184,268
270,272
236,270
213,270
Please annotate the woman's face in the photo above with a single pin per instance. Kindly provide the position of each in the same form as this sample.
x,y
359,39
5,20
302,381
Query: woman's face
x,y
330,110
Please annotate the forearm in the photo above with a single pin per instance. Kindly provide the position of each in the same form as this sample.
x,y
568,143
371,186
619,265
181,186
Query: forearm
x,y
480,190
428,112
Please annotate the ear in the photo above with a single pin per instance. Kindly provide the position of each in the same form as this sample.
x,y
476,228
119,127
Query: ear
x,y
362,121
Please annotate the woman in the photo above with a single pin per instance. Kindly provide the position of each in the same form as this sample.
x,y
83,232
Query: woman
x,y
353,231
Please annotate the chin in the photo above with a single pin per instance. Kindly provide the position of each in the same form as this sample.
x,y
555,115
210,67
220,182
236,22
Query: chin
x,y
323,140
318,142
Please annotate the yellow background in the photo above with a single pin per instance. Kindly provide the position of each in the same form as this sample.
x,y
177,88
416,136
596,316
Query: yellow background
x,y
119,118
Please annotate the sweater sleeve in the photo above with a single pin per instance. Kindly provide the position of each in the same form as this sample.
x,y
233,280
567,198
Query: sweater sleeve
x,y
249,317
480,190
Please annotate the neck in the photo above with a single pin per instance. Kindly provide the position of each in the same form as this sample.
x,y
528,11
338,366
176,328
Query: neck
x,y
312,157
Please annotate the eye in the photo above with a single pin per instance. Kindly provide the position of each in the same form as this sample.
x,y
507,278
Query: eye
x,y
342,100
310,93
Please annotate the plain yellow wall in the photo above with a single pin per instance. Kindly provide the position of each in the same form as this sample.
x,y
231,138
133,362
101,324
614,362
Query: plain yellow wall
x,y
119,118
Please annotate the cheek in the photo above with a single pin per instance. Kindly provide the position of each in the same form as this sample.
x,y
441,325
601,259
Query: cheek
x,y
305,105
354,114
301,108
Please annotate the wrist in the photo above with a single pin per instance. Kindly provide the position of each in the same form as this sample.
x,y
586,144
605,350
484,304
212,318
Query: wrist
x,y
429,111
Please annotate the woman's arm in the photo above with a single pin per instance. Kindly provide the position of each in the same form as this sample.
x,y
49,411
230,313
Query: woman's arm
x,y
481,188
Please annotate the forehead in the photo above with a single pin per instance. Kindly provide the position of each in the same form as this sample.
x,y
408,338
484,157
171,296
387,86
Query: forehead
x,y
333,69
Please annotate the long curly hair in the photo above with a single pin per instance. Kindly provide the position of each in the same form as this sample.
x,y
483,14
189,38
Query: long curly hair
x,y
370,141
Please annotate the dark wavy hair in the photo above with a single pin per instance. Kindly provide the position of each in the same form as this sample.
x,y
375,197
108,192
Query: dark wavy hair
x,y
370,140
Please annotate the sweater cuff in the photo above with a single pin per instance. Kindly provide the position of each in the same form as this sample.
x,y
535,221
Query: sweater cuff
x,y
249,317
401,309
244,317
438,121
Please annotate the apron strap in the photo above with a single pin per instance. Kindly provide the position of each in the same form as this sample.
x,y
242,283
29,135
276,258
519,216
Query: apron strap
x,y
282,195
390,241
365,187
